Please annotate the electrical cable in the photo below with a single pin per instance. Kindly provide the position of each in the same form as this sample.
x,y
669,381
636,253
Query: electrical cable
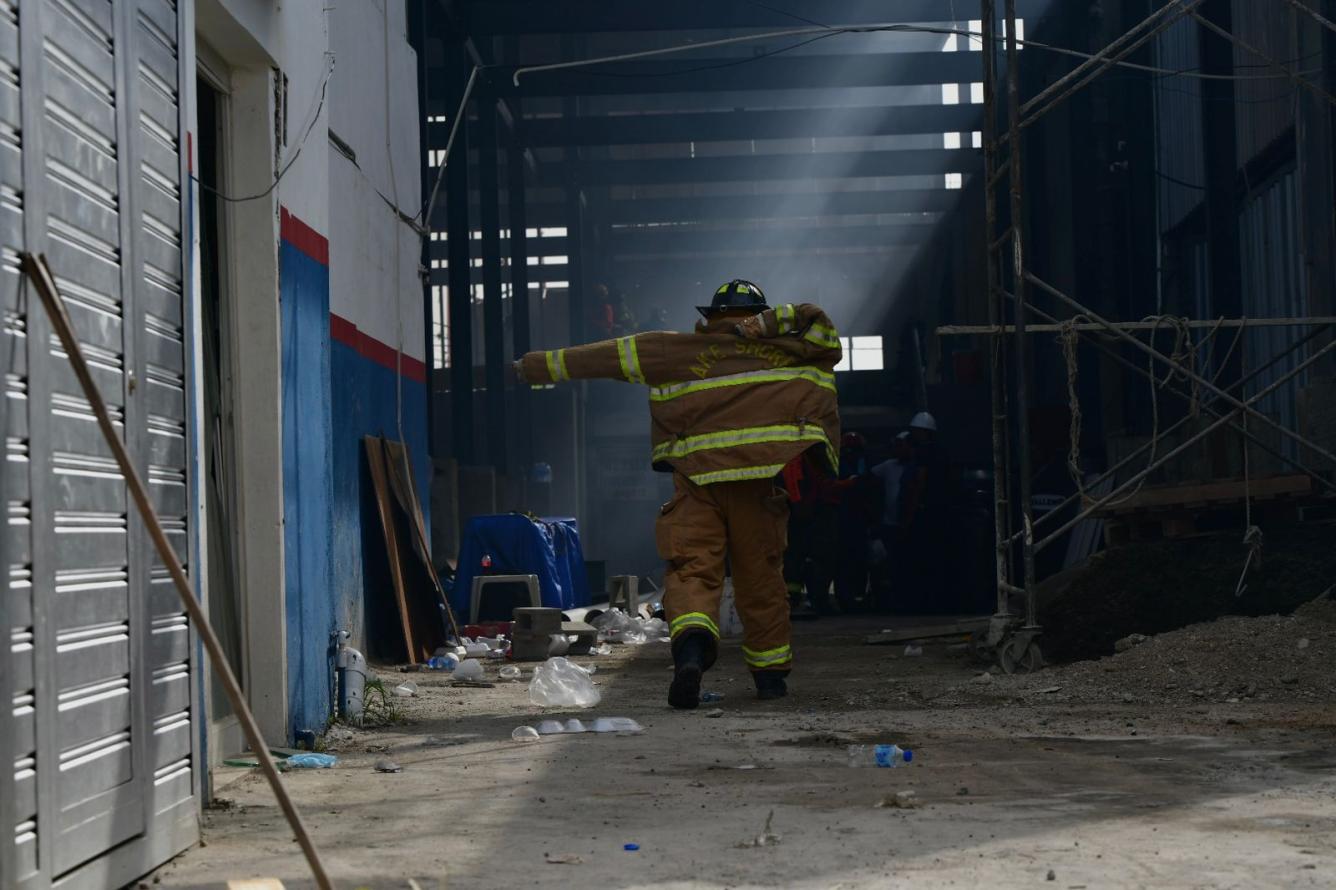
x,y
730,64
1237,41
890,27
1176,181
425,217
296,153
785,12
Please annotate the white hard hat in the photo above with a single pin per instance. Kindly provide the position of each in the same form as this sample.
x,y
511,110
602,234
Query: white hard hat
x,y
923,421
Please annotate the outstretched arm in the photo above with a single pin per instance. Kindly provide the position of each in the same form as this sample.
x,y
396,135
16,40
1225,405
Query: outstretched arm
x,y
636,359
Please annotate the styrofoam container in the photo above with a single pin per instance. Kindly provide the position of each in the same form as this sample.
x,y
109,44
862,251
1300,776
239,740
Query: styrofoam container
x,y
617,724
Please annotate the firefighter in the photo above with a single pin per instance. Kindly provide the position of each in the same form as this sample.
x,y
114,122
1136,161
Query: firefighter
x,y
730,405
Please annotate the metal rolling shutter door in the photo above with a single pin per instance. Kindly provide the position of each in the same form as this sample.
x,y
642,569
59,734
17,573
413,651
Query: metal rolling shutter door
x,y
102,736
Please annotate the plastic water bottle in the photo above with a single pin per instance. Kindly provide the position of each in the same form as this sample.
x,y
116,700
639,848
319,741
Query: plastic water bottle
x,y
884,756
442,663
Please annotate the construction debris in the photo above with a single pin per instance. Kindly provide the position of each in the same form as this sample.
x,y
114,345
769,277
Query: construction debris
x,y
766,838
901,800
1129,642
1222,660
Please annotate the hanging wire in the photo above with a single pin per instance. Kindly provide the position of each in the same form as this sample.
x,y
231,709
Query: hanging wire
x,y
832,30
296,153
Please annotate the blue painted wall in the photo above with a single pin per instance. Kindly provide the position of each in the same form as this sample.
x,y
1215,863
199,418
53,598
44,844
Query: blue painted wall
x,y
365,400
307,485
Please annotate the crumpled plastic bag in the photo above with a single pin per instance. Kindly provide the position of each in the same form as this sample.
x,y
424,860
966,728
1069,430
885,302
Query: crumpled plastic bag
x,y
655,629
557,683
615,626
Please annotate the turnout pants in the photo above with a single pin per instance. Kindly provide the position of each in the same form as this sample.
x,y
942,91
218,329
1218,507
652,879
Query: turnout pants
x,y
743,524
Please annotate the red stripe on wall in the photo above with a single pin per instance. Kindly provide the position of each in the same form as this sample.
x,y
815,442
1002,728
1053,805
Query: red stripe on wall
x,y
344,331
303,237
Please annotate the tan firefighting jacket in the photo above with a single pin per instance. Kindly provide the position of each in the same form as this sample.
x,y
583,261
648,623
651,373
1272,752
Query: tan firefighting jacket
x,y
733,400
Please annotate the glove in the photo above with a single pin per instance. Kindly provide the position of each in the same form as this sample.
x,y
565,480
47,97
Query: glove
x,y
518,365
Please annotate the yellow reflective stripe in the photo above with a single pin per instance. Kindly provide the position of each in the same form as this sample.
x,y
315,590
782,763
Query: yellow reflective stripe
x,y
630,360
823,335
561,363
812,375
767,653
786,315
552,368
760,435
693,619
768,658
741,474
623,359
635,361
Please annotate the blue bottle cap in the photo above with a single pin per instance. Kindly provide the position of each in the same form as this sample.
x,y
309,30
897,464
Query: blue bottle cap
x,y
630,848
909,755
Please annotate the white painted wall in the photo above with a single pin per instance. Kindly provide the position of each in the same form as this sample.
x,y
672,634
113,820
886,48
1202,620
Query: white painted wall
x,y
292,36
374,256
248,39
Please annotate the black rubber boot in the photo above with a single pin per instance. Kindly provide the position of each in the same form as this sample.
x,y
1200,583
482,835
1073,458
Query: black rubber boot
x,y
770,685
691,656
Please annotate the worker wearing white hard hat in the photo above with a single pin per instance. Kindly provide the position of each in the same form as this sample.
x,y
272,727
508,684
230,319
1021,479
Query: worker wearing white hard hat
x,y
923,421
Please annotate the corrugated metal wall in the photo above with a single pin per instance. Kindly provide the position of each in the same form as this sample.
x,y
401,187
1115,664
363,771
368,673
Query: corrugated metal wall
x,y
1179,117
1266,104
1273,287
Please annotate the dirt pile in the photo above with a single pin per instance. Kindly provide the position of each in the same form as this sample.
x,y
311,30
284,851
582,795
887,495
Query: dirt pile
x,y
1235,658
1155,587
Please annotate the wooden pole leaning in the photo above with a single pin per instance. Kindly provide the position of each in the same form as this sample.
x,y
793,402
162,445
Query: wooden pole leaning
x,y
39,273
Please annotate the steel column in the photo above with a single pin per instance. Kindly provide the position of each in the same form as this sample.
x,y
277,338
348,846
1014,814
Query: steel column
x,y
459,274
1018,272
417,35
493,310
996,345
521,330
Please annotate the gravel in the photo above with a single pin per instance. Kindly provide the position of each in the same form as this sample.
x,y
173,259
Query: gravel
x,y
1266,658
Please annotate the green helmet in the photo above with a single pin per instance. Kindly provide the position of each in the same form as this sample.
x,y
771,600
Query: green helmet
x,y
736,294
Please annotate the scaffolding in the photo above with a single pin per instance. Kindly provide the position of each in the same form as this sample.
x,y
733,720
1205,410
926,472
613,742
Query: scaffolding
x,y
1013,639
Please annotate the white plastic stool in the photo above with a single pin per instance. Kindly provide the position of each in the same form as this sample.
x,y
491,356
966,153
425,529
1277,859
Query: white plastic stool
x,y
481,581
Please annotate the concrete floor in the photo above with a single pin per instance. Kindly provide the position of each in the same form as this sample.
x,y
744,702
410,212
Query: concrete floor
x,y
1014,791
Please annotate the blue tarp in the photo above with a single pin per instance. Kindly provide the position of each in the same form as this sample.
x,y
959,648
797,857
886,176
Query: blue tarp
x,y
518,545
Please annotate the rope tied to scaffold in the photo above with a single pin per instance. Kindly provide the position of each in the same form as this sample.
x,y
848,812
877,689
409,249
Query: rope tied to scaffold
x,y
1252,534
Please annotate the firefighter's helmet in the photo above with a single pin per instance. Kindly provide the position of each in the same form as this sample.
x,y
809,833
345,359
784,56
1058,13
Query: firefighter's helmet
x,y
736,294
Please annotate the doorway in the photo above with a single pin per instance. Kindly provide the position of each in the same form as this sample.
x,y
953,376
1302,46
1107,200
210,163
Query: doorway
x,y
225,600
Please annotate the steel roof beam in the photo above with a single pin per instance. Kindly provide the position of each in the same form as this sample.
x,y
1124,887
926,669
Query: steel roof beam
x,y
769,167
729,74
591,16
724,126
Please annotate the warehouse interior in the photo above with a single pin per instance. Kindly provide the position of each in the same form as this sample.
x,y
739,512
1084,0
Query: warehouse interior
x,y
327,569
1181,187
1099,255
